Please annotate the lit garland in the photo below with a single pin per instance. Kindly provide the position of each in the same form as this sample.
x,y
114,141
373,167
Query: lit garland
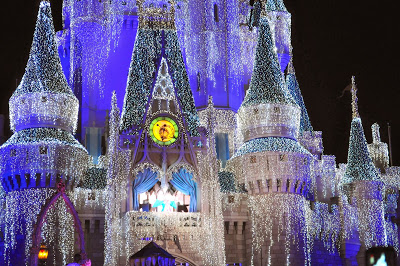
x,y
325,225
290,219
268,123
22,210
58,232
117,178
86,199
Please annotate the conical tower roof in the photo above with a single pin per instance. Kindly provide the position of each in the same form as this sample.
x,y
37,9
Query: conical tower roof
x,y
43,71
43,98
156,39
359,162
43,116
268,109
294,89
267,84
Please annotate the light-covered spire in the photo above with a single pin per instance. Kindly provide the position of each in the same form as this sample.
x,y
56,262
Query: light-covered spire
x,y
267,83
268,109
43,98
156,40
294,89
43,71
359,163
354,98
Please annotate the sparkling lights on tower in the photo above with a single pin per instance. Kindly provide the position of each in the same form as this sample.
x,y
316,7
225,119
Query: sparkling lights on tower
x,y
251,187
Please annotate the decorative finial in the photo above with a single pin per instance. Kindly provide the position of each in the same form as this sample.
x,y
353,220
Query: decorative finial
x,y
376,136
354,99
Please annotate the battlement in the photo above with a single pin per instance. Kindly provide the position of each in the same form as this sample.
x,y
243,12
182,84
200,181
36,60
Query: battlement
x,y
273,172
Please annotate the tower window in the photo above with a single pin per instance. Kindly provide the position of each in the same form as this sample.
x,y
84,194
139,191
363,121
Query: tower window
x,y
198,81
43,150
216,16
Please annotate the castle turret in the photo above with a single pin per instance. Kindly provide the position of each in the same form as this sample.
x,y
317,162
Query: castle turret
x,y
363,186
42,152
378,150
271,163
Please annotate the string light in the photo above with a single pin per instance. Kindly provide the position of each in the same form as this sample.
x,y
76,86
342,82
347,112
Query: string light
x,y
276,163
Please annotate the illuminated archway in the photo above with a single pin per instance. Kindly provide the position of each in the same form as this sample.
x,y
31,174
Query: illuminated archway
x,y
36,235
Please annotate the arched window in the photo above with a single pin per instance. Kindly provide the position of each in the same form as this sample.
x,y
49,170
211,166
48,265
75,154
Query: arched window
x,y
216,15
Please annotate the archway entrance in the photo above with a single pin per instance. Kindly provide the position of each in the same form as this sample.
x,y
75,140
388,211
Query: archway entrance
x,y
36,235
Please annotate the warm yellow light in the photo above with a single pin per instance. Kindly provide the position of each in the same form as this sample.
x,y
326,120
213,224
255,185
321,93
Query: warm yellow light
x,y
43,253
163,130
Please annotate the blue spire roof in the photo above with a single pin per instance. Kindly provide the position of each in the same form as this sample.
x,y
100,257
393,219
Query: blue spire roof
x,y
294,89
359,162
267,84
43,71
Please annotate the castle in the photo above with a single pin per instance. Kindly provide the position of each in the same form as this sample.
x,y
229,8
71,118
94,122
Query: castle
x,y
196,136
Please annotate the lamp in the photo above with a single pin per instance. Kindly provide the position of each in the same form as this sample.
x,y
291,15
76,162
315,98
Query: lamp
x,y
43,254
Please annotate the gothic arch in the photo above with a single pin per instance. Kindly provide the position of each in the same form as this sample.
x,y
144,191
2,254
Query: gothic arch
x,y
36,234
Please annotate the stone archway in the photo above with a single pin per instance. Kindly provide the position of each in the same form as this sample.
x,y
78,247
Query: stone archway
x,y
36,234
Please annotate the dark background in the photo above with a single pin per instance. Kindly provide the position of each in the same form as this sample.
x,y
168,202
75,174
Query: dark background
x,y
332,40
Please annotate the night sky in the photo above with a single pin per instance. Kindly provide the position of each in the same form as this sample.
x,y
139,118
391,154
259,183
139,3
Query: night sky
x,y
332,40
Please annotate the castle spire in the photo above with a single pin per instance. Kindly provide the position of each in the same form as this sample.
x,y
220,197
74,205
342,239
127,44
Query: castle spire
x,y
43,71
156,40
354,98
43,98
267,84
359,162
294,89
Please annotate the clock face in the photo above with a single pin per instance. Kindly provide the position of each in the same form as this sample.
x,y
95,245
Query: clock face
x,y
163,130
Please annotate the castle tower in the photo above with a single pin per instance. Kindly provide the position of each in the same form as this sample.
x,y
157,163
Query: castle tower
x,y
42,154
363,186
160,126
273,165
